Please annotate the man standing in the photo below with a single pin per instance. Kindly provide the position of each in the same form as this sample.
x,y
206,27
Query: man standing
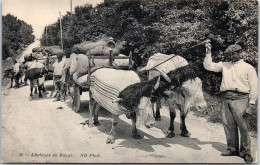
x,y
239,93
57,75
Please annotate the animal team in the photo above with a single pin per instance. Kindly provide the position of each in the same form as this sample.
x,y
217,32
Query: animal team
x,y
170,77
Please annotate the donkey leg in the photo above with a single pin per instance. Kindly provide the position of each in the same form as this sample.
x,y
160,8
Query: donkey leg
x,y
40,89
11,82
16,78
111,136
135,133
97,107
184,131
68,89
43,88
35,90
158,106
21,79
25,81
31,89
91,108
170,132
65,89
17,82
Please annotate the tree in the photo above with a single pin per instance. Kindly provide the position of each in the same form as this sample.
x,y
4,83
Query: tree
x,y
169,27
16,34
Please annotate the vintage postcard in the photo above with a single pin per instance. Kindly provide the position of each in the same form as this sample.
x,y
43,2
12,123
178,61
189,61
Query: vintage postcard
x,y
118,81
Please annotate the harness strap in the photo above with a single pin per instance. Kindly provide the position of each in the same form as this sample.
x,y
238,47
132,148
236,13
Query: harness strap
x,y
165,76
162,62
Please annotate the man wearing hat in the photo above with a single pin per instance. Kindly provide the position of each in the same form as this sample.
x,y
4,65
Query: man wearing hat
x,y
239,88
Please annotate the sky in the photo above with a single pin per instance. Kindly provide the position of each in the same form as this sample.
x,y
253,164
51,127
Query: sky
x,y
40,13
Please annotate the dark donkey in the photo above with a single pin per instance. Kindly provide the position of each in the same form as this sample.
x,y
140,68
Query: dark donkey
x,y
36,77
122,92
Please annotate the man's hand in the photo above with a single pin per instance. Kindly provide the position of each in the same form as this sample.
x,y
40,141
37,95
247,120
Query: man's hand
x,y
249,109
208,47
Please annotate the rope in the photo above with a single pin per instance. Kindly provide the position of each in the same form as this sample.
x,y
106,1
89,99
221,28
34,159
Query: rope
x,y
202,43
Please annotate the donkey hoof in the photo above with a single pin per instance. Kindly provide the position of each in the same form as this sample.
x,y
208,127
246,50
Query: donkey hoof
x,y
170,134
110,139
158,118
90,124
185,134
30,97
137,136
96,123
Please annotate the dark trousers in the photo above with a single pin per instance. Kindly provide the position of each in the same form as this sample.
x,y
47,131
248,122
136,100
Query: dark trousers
x,y
59,87
234,105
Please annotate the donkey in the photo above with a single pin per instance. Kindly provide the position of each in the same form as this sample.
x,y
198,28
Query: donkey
x,y
185,91
122,92
16,74
36,77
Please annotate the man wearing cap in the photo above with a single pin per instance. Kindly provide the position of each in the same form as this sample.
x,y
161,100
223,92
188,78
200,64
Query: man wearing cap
x,y
57,75
239,93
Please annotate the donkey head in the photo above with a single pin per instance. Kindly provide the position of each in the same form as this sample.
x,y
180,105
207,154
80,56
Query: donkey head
x,y
138,98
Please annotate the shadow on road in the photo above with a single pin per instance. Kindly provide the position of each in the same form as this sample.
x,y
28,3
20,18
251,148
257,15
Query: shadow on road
x,y
146,144
123,131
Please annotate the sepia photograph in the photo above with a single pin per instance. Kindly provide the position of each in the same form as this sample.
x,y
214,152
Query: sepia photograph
x,y
129,81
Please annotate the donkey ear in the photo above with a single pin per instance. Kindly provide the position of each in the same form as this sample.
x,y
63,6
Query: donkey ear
x,y
156,86
141,69
117,100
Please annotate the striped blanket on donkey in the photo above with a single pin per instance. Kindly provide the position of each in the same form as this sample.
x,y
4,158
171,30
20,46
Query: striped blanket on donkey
x,y
106,84
164,63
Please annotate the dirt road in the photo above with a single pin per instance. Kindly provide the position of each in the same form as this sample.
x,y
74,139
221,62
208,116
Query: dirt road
x,y
28,50
44,130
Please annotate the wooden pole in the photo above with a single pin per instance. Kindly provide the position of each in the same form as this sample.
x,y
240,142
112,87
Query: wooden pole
x,y
61,33
89,69
71,6
46,36
110,57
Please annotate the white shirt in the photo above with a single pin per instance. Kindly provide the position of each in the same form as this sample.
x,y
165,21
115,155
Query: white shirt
x,y
239,76
16,67
58,67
